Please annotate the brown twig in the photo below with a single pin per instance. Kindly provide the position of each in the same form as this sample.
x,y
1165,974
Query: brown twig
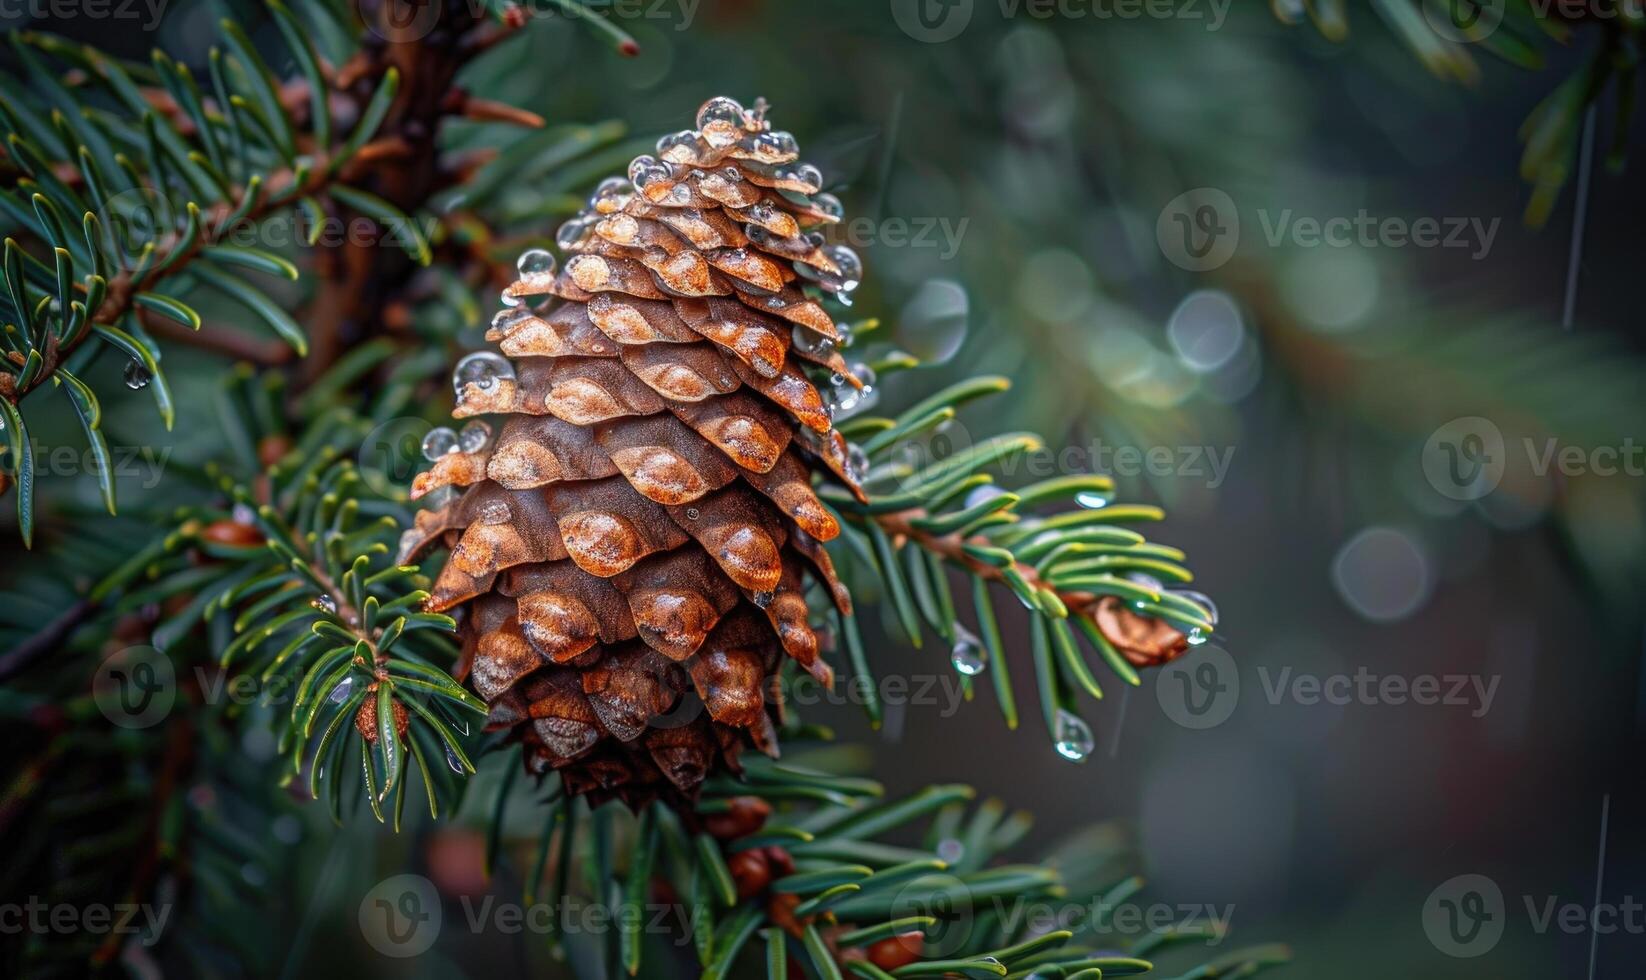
x,y
283,188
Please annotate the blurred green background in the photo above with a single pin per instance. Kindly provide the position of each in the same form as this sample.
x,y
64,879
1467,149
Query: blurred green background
x,y
1018,181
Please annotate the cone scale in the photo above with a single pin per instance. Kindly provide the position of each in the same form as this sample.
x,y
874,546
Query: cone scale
x,y
633,530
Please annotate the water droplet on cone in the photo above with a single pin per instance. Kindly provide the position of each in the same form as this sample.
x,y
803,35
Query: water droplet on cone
x,y
438,443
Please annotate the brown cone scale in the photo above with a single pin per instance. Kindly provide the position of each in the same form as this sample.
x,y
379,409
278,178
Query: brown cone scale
x,y
630,547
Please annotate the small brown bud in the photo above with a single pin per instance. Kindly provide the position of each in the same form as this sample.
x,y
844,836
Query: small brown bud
x,y
899,950
744,816
272,449
751,871
365,720
232,533
780,909
782,862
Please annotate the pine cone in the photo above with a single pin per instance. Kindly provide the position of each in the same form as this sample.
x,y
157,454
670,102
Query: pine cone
x,y
632,551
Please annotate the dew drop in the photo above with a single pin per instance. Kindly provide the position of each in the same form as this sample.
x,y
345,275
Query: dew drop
x,y
508,318
536,266
341,692
1074,737
646,170
857,462
830,205
761,599
851,267
978,495
1197,636
482,369
495,512
721,120
1147,581
692,513
325,604
843,396
438,443
474,436
1202,600
408,543
510,300
776,144
968,656
137,376
1091,499
607,192
811,343
950,850
243,514
678,147
453,761
570,233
